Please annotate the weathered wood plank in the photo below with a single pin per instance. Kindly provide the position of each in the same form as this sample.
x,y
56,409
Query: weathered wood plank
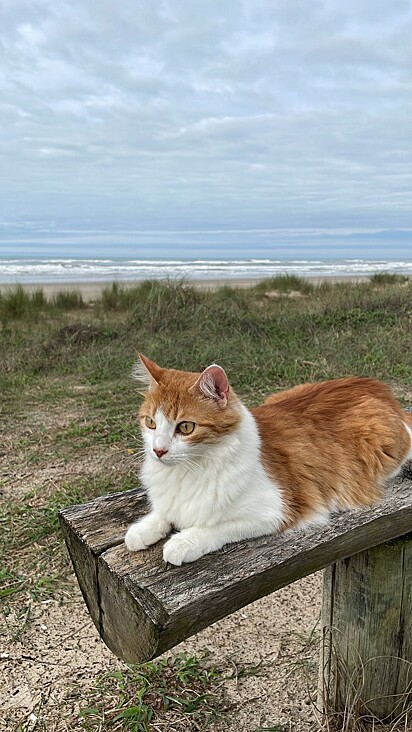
x,y
405,650
84,563
102,523
160,605
366,613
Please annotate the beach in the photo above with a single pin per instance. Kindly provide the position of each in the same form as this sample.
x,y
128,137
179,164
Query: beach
x,y
92,290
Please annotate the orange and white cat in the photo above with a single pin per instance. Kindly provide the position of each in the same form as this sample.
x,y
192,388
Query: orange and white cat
x,y
218,472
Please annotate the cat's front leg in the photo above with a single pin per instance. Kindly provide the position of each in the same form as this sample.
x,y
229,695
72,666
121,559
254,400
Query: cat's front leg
x,y
147,531
190,544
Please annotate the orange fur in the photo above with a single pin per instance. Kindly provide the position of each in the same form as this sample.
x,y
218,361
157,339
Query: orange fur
x,y
336,441
176,395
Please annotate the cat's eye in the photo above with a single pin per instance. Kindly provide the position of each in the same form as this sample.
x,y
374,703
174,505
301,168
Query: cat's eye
x,y
185,428
150,423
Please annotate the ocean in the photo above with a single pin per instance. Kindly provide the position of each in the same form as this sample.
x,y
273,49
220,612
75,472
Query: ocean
x,y
72,270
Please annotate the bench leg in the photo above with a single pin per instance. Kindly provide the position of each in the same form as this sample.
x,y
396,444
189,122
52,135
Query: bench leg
x,y
366,655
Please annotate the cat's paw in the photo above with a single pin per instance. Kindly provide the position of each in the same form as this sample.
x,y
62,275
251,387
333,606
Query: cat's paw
x,y
185,546
149,530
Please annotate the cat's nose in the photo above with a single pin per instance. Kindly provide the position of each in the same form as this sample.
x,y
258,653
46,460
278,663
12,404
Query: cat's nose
x,y
159,453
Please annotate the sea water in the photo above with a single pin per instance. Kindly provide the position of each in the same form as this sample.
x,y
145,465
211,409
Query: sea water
x,y
70,270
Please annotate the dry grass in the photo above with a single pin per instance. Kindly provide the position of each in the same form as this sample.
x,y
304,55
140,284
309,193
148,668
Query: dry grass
x,y
343,703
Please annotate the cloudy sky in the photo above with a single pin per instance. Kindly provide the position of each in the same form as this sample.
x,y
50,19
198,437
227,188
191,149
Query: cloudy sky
x,y
204,126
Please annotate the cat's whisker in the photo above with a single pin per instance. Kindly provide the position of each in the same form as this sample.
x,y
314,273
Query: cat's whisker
x,y
194,467
130,469
139,453
133,459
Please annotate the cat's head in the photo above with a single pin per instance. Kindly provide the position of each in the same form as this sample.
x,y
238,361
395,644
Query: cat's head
x,y
184,413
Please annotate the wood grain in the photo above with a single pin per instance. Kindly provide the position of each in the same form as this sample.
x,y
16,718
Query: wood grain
x,y
142,607
367,619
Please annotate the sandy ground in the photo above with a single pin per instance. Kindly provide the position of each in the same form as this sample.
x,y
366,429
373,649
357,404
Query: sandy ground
x,y
45,673
92,290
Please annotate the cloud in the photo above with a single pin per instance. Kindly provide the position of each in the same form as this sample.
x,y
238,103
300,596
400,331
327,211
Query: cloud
x,y
248,115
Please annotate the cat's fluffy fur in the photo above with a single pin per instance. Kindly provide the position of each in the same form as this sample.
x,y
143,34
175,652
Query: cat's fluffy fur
x,y
305,452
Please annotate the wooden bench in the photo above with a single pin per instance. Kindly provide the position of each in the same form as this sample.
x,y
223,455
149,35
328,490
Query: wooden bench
x,y
143,607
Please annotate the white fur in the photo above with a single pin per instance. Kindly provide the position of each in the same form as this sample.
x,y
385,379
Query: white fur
x,y
142,375
407,458
207,383
409,455
213,494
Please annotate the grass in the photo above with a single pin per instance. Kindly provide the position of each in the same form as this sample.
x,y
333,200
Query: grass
x,y
179,693
20,303
352,690
67,300
67,396
388,278
285,284
264,343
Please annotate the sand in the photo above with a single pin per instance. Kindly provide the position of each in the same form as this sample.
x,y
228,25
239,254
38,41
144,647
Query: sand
x,y
92,290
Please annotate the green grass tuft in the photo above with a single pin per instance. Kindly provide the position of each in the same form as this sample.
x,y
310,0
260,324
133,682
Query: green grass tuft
x,y
388,278
19,303
182,692
285,284
67,300
118,297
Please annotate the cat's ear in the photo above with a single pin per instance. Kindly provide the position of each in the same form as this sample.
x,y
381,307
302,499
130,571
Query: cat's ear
x,y
147,372
213,384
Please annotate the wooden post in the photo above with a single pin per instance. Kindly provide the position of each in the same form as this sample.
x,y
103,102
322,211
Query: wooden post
x,y
366,664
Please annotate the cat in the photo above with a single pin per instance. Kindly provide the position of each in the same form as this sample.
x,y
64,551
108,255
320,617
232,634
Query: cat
x,y
218,472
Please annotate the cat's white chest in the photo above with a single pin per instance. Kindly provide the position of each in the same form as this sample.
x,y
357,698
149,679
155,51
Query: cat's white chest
x,y
185,498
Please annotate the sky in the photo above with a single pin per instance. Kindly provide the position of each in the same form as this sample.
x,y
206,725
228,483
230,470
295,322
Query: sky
x,y
255,127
